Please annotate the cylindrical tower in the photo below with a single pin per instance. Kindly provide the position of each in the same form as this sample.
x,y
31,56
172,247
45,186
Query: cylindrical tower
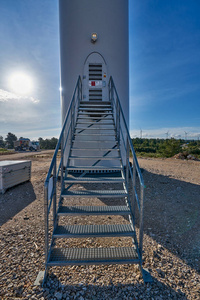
x,y
108,19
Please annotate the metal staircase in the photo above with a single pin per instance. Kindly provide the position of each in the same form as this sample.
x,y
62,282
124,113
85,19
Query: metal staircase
x,y
97,153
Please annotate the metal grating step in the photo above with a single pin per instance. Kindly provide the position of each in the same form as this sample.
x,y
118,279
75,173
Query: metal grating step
x,y
96,157
94,118
94,134
97,149
95,123
80,231
95,109
86,168
95,113
95,103
95,193
92,128
91,104
100,141
86,256
93,210
94,179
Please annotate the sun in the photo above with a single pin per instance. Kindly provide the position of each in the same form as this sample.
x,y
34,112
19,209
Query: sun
x,y
21,83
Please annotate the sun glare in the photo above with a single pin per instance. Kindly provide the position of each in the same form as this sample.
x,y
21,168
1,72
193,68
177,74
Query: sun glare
x,y
21,83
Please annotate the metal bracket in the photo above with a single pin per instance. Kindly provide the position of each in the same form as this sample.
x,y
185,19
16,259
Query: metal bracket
x,y
146,276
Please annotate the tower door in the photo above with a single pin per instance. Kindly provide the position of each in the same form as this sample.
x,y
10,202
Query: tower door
x,y
95,85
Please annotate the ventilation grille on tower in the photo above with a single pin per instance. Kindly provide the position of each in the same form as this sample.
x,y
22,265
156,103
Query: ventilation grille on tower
x,y
95,95
95,71
95,74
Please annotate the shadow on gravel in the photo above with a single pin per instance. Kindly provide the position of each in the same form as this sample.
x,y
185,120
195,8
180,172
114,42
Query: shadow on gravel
x,y
14,200
54,288
172,216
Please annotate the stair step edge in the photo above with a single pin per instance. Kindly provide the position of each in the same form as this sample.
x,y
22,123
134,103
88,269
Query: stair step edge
x,y
79,256
93,210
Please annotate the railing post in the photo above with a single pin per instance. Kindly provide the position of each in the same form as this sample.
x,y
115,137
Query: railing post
x,y
72,125
133,184
79,91
127,162
46,224
112,94
141,220
54,193
118,120
61,168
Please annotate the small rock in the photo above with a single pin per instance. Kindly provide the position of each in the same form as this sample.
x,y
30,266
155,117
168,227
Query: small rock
x,y
58,295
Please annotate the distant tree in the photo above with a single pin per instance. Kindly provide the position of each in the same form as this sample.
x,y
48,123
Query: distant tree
x,y
10,139
170,147
53,142
48,143
2,143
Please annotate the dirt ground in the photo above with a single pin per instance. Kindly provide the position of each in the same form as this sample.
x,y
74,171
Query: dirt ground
x,y
171,240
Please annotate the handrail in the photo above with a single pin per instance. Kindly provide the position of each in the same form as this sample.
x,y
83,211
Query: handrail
x,y
50,186
125,144
62,132
128,135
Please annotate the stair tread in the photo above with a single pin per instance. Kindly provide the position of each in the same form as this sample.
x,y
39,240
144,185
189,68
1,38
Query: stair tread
x,y
93,168
95,118
94,210
94,109
99,149
94,193
93,230
95,157
95,123
85,141
95,134
92,128
70,256
95,179
94,113
94,104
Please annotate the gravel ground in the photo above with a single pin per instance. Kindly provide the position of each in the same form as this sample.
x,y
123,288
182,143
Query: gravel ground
x,y
171,240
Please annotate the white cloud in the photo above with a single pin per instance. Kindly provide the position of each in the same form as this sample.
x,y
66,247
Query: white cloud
x,y
175,132
8,96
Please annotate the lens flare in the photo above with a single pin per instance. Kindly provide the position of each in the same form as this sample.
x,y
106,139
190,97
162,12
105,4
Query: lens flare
x,y
21,83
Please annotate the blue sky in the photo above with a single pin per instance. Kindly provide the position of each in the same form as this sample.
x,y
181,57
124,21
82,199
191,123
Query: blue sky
x,y
164,67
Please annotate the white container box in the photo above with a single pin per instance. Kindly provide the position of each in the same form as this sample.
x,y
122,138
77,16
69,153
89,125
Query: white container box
x,y
13,172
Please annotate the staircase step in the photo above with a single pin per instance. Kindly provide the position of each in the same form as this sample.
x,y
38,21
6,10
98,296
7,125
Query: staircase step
x,y
86,168
92,128
80,231
95,102
95,157
95,134
95,105
97,149
95,113
93,210
94,109
95,123
95,118
94,179
92,256
87,141
95,193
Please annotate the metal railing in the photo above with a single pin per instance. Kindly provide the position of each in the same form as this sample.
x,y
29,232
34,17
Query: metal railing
x,y
132,171
56,168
